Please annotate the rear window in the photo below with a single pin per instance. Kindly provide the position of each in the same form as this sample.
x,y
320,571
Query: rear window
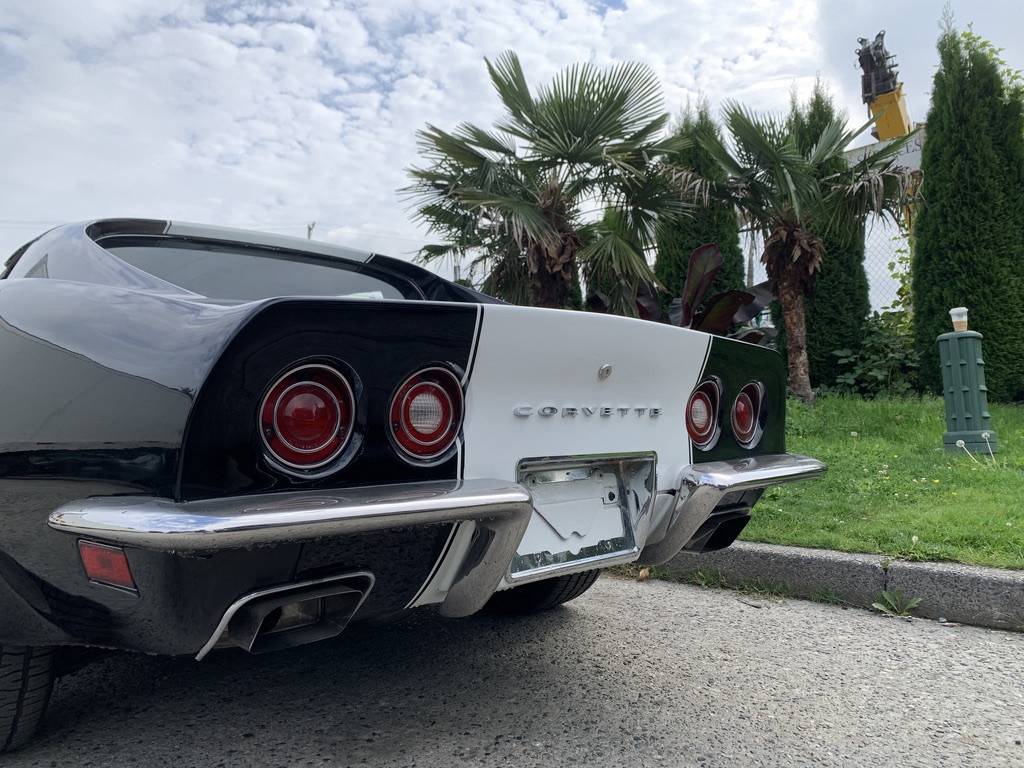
x,y
246,274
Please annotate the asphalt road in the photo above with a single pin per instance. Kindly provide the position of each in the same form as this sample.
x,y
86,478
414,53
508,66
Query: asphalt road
x,y
650,674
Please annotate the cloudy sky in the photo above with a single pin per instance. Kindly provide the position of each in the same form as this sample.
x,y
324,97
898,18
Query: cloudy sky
x,y
269,114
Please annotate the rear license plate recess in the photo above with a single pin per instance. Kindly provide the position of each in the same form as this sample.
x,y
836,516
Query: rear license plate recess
x,y
586,510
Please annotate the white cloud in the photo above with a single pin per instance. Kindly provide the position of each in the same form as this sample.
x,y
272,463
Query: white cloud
x,y
269,114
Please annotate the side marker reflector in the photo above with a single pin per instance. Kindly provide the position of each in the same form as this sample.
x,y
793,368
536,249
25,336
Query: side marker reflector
x,y
105,564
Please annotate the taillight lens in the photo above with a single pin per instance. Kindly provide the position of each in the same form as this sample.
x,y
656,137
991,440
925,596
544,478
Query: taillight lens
x,y
306,417
426,414
702,414
746,414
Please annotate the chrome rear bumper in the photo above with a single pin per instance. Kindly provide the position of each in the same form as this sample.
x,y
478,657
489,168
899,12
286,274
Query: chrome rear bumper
x,y
500,510
703,486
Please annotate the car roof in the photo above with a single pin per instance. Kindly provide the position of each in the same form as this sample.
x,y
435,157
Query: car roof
x,y
211,232
99,232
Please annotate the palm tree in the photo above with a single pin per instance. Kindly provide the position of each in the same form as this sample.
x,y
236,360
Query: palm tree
x,y
569,179
793,198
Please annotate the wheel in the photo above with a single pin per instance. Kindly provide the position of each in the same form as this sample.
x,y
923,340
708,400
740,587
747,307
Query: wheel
x,y
26,680
542,595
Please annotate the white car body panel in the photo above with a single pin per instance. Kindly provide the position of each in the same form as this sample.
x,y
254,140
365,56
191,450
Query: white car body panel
x,y
545,357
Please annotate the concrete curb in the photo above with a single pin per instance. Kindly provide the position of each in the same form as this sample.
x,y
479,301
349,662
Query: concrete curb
x,y
986,597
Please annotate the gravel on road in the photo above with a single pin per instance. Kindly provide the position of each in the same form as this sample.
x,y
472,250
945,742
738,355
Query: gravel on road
x,y
631,674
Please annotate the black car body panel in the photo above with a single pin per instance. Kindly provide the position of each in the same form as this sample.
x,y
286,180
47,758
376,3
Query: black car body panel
x,y
110,362
222,450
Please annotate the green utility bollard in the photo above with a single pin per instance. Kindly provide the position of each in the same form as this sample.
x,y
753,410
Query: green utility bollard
x,y
963,386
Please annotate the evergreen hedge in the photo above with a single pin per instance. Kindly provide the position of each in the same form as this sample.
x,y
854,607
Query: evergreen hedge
x,y
837,309
715,223
969,236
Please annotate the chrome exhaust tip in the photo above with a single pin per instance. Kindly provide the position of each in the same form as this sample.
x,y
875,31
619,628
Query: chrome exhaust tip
x,y
291,614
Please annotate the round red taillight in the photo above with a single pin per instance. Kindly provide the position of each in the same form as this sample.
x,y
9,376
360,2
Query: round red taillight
x,y
746,415
306,417
702,414
426,414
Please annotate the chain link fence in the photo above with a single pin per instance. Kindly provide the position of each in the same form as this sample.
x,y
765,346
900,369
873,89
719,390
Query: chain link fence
x,y
884,243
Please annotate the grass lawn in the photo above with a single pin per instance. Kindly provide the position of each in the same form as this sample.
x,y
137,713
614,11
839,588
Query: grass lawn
x,y
891,489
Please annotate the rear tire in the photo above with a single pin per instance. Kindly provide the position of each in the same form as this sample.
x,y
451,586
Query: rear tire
x,y
542,595
26,680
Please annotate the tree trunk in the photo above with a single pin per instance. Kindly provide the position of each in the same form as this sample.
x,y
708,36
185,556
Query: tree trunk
x,y
548,289
791,299
551,288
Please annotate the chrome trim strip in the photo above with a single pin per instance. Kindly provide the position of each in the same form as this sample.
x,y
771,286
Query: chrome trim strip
x,y
501,508
702,486
624,557
156,523
584,459
236,606
437,565
752,472
473,346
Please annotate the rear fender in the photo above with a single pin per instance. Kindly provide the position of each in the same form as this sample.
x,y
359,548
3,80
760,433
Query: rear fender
x,y
98,382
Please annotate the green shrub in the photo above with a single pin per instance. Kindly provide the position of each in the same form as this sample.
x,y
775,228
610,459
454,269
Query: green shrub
x,y
969,246
885,363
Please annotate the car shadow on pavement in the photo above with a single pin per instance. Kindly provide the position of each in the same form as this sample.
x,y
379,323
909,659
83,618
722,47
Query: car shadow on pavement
x,y
372,693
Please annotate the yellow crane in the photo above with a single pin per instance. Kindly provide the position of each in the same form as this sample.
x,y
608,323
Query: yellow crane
x,y
881,90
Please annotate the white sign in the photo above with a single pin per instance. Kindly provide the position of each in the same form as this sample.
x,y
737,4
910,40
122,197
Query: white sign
x,y
909,156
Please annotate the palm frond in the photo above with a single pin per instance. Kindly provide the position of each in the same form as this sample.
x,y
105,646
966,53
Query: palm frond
x,y
692,187
763,140
832,141
882,191
437,144
521,218
612,258
712,143
883,155
438,251
591,139
508,278
509,81
490,142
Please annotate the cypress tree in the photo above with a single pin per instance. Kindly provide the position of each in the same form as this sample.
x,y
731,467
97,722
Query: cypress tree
x,y
969,244
715,223
837,307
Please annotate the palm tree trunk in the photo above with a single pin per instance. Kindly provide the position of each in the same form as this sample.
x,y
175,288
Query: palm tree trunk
x,y
791,298
550,288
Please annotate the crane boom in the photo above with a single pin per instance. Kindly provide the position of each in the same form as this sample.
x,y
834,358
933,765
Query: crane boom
x,y
881,89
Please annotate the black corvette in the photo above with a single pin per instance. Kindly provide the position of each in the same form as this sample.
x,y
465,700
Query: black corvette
x,y
212,438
